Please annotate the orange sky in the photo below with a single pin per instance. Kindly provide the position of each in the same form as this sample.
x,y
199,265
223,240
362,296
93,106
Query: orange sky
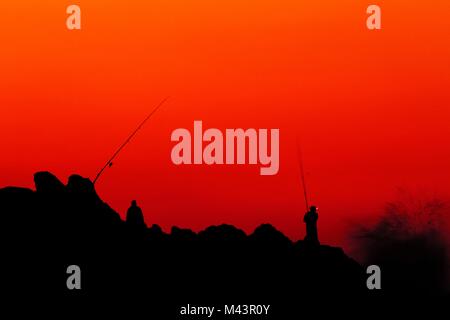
x,y
372,107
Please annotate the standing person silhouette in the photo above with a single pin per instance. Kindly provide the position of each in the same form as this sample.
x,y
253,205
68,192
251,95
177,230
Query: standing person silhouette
x,y
135,218
310,219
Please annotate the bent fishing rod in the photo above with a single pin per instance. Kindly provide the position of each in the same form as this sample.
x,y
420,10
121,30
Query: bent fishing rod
x,y
109,163
302,175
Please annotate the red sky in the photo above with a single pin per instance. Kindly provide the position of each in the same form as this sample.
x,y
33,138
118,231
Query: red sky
x,y
372,108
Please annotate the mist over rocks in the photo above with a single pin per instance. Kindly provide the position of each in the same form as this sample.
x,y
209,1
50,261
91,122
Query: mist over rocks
x,y
58,225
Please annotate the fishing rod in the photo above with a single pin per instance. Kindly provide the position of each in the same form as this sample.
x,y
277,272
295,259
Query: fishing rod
x,y
109,162
302,175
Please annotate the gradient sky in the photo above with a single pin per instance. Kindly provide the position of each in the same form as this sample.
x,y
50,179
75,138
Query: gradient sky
x,y
372,108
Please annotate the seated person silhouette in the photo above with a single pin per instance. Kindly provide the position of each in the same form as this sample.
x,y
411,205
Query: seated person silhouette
x,y
135,218
310,219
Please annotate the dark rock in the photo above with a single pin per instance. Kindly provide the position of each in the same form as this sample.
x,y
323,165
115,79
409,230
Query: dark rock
x,y
77,183
48,183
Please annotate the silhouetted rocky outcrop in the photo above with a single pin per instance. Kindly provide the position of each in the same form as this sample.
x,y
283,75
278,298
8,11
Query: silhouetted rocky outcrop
x,y
59,225
47,182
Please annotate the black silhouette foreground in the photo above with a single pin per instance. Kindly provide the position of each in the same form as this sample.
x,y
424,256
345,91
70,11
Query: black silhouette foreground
x,y
59,225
